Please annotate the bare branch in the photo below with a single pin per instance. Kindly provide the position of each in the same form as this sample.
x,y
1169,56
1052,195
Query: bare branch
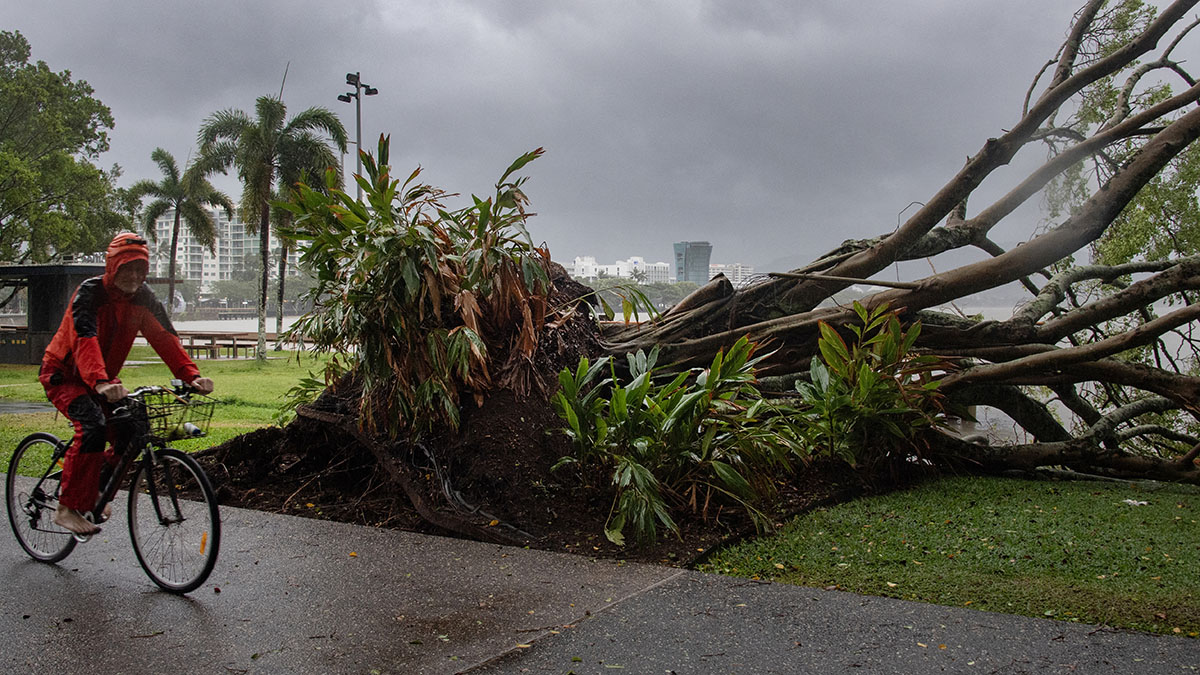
x,y
1077,404
1122,108
1026,411
1143,430
1070,49
1182,275
1059,359
1080,454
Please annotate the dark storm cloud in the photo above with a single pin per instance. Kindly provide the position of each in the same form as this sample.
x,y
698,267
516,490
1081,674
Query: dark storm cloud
x,y
772,129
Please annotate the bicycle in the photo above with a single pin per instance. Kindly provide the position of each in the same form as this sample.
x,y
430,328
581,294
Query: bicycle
x,y
174,524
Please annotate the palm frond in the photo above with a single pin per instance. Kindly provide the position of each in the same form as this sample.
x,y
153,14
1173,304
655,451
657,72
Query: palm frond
x,y
223,124
154,210
146,188
319,119
200,223
270,113
166,163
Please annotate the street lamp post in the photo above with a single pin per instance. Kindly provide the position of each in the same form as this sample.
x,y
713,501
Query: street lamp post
x,y
360,89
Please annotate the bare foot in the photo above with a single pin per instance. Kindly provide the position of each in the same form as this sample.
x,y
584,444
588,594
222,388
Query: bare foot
x,y
73,521
107,513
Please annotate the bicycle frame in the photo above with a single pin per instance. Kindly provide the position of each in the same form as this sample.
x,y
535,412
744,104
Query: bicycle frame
x,y
139,447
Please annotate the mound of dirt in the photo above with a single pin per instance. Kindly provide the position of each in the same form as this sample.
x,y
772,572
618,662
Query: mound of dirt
x,y
499,470
490,479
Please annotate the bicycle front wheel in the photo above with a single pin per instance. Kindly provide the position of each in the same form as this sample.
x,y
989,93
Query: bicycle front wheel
x,y
31,495
173,521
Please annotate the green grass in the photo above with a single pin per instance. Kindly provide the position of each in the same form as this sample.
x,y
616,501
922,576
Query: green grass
x,y
248,395
1067,550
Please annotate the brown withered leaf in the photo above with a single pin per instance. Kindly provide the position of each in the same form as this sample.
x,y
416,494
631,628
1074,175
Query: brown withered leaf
x,y
527,338
435,293
468,307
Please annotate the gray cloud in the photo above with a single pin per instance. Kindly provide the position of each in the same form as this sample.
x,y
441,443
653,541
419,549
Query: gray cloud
x,y
771,128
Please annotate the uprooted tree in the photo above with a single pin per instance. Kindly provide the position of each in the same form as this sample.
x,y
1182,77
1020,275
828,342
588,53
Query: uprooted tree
x,y
1090,335
432,313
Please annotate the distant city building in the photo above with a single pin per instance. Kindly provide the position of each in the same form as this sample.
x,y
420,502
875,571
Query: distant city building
x,y
195,263
655,273
583,267
636,267
691,261
738,274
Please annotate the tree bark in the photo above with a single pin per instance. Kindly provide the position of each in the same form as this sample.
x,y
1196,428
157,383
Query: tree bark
x,y
283,261
171,266
264,252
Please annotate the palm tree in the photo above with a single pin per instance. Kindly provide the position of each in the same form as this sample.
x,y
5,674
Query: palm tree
x,y
188,195
307,163
266,149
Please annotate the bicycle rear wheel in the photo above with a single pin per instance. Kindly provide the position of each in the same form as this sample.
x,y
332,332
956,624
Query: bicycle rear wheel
x,y
31,496
173,521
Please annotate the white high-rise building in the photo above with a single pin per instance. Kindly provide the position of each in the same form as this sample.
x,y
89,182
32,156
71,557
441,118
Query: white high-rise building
x,y
738,274
195,263
583,267
647,273
586,267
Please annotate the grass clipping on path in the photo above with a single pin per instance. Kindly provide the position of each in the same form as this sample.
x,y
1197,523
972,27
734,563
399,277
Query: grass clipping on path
x,y
1123,555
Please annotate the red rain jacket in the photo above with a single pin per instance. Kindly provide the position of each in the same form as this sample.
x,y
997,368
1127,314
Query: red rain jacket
x,y
99,327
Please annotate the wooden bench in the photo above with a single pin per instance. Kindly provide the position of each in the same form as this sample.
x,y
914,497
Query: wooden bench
x,y
213,345
232,345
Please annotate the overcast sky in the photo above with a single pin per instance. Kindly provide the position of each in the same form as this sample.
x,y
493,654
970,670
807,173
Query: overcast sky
x,y
772,128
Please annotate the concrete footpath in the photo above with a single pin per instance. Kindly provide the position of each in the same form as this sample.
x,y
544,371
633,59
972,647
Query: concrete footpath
x,y
292,595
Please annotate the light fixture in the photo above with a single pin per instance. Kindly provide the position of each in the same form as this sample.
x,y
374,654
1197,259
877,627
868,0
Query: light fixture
x,y
360,89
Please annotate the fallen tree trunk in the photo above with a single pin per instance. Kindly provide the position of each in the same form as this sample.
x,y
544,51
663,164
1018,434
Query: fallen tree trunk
x,y
1115,345
445,319
1078,454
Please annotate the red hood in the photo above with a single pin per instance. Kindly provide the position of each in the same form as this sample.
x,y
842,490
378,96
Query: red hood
x,y
125,247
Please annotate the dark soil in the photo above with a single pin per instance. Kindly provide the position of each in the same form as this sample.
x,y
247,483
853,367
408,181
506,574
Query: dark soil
x,y
502,468
496,469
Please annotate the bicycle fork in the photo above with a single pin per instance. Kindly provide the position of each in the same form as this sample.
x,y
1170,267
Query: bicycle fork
x,y
111,477
171,514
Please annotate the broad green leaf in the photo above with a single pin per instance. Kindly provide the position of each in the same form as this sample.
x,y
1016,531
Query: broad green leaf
x,y
612,530
733,480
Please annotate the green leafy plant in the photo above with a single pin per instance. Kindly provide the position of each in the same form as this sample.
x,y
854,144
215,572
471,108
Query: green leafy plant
x,y
423,304
630,297
868,400
305,391
686,443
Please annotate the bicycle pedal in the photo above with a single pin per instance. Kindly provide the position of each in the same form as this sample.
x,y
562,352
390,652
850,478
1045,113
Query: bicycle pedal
x,y
91,518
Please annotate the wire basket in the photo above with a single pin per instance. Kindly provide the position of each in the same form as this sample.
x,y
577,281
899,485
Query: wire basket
x,y
173,418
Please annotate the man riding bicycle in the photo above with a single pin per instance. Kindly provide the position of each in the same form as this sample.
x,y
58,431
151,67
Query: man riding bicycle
x,y
81,366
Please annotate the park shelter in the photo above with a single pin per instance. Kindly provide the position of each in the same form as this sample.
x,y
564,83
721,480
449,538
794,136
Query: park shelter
x,y
48,293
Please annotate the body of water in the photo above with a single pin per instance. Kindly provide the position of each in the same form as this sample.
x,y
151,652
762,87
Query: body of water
x,y
231,325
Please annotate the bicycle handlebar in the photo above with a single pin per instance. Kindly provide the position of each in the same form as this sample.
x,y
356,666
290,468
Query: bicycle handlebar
x,y
121,412
178,387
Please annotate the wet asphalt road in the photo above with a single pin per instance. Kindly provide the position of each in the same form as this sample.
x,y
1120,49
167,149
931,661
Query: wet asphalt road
x,y
292,595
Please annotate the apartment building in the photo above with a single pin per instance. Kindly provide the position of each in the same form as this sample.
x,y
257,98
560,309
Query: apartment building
x,y
738,274
635,267
195,263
